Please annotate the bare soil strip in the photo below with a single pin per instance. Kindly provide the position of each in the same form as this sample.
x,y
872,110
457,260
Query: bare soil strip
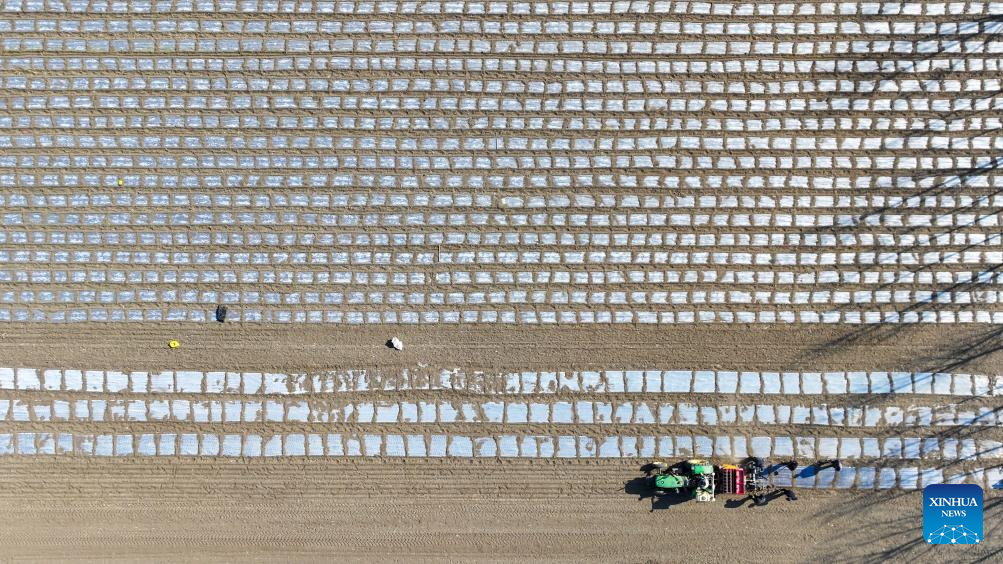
x,y
433,511
972,348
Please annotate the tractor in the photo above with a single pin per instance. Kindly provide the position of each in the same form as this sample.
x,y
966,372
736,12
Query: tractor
x,y
702,481
693,477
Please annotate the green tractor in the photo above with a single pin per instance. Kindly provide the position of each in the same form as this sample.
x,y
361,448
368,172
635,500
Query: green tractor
x,y
693,477
701,480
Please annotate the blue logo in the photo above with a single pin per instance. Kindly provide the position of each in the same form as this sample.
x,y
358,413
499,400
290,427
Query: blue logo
x,y
952,514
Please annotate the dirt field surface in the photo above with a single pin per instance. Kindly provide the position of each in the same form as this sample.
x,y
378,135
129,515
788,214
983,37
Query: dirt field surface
x,y
388,508
974,348
604,231
434,511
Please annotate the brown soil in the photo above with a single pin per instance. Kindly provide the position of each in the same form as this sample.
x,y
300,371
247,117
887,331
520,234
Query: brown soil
x,y
176,509
433,511
972,348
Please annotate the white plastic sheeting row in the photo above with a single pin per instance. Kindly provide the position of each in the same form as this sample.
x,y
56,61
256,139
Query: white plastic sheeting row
x,y
621,8
502,445
505,446
519,316
223,238
457,64
498,412
530,24
551,85
511,298
501,257
541,219
459,277
320,201
506,383
526,45
376,180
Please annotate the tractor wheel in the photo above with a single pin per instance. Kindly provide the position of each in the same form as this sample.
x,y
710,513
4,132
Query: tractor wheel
x,y
753,464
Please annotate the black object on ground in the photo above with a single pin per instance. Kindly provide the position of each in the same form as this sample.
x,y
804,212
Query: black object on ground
x,y
835,463
221,313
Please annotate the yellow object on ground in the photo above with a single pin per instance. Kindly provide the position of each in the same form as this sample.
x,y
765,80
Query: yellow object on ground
x,y
174,344
121,182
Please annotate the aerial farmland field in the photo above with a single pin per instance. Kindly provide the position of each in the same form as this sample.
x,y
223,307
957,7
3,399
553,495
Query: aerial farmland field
x,y
409,281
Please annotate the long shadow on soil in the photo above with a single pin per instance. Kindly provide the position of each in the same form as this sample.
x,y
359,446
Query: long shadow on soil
x,y
901,537
969,180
